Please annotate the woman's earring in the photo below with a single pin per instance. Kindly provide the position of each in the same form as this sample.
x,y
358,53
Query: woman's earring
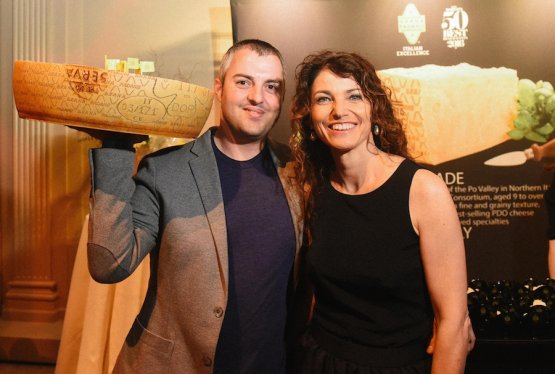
x,y
312,135
376,129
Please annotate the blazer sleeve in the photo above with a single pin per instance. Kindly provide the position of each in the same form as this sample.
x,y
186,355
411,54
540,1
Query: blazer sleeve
x,y
124,214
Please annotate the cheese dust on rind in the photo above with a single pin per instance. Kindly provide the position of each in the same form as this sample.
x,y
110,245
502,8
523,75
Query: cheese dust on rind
x,y
453,111
84,96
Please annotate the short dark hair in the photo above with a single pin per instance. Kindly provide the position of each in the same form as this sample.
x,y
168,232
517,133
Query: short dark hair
x,y
259,46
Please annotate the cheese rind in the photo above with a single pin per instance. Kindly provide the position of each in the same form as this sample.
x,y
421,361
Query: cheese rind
x,y
84,96
453,111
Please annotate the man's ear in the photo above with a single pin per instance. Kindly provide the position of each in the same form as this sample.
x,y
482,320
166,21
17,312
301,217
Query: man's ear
x,y
218,87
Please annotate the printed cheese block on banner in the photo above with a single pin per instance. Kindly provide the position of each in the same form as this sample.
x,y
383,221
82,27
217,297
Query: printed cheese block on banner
x,y
85,96
453,111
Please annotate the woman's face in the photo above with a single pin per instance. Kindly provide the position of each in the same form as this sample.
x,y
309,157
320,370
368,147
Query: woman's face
x,y
341,115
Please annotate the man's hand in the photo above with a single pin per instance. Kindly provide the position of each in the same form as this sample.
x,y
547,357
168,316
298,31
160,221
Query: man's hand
x,y
112,139
432,344
471,336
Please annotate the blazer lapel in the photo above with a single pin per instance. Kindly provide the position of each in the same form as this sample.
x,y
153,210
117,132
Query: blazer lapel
x,y
205,172
286,172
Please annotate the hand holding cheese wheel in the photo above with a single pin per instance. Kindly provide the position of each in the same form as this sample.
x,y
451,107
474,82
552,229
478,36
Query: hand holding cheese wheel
x,y
84,96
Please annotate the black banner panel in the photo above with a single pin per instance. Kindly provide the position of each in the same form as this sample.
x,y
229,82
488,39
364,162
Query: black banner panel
x,y
472,81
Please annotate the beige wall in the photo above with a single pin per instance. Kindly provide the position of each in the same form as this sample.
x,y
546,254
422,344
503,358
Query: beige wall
x,y
43,167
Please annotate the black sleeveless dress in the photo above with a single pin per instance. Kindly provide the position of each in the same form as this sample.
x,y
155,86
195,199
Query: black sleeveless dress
x,y
373,313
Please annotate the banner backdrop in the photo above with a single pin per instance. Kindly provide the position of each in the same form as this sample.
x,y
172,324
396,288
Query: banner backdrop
x,y
472,81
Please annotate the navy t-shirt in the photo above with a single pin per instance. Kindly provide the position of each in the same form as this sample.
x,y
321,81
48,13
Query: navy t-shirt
x,y
261,244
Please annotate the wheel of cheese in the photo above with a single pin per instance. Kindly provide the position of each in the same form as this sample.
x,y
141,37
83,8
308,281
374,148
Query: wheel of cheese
x,y
453,111
84,96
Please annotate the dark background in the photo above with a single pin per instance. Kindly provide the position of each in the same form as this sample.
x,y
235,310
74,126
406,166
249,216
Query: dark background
x,y
516,34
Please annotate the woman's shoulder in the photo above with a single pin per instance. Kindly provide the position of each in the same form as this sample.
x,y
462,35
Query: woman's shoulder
x,y
427,183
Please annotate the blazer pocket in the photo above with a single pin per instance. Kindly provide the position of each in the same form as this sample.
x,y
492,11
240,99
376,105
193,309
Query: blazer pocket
x,y
144,351
140,334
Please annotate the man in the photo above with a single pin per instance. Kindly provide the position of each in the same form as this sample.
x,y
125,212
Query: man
x,y
220,219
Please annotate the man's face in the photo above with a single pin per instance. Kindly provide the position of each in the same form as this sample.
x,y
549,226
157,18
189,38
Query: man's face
x,y
250,96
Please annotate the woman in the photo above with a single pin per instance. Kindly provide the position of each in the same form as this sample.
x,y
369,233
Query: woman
x,y
386,252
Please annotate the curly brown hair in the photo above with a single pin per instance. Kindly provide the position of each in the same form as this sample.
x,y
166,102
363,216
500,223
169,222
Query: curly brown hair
x,y
314,160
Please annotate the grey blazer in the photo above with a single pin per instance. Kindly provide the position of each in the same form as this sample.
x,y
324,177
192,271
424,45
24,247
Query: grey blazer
x,y
173,211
